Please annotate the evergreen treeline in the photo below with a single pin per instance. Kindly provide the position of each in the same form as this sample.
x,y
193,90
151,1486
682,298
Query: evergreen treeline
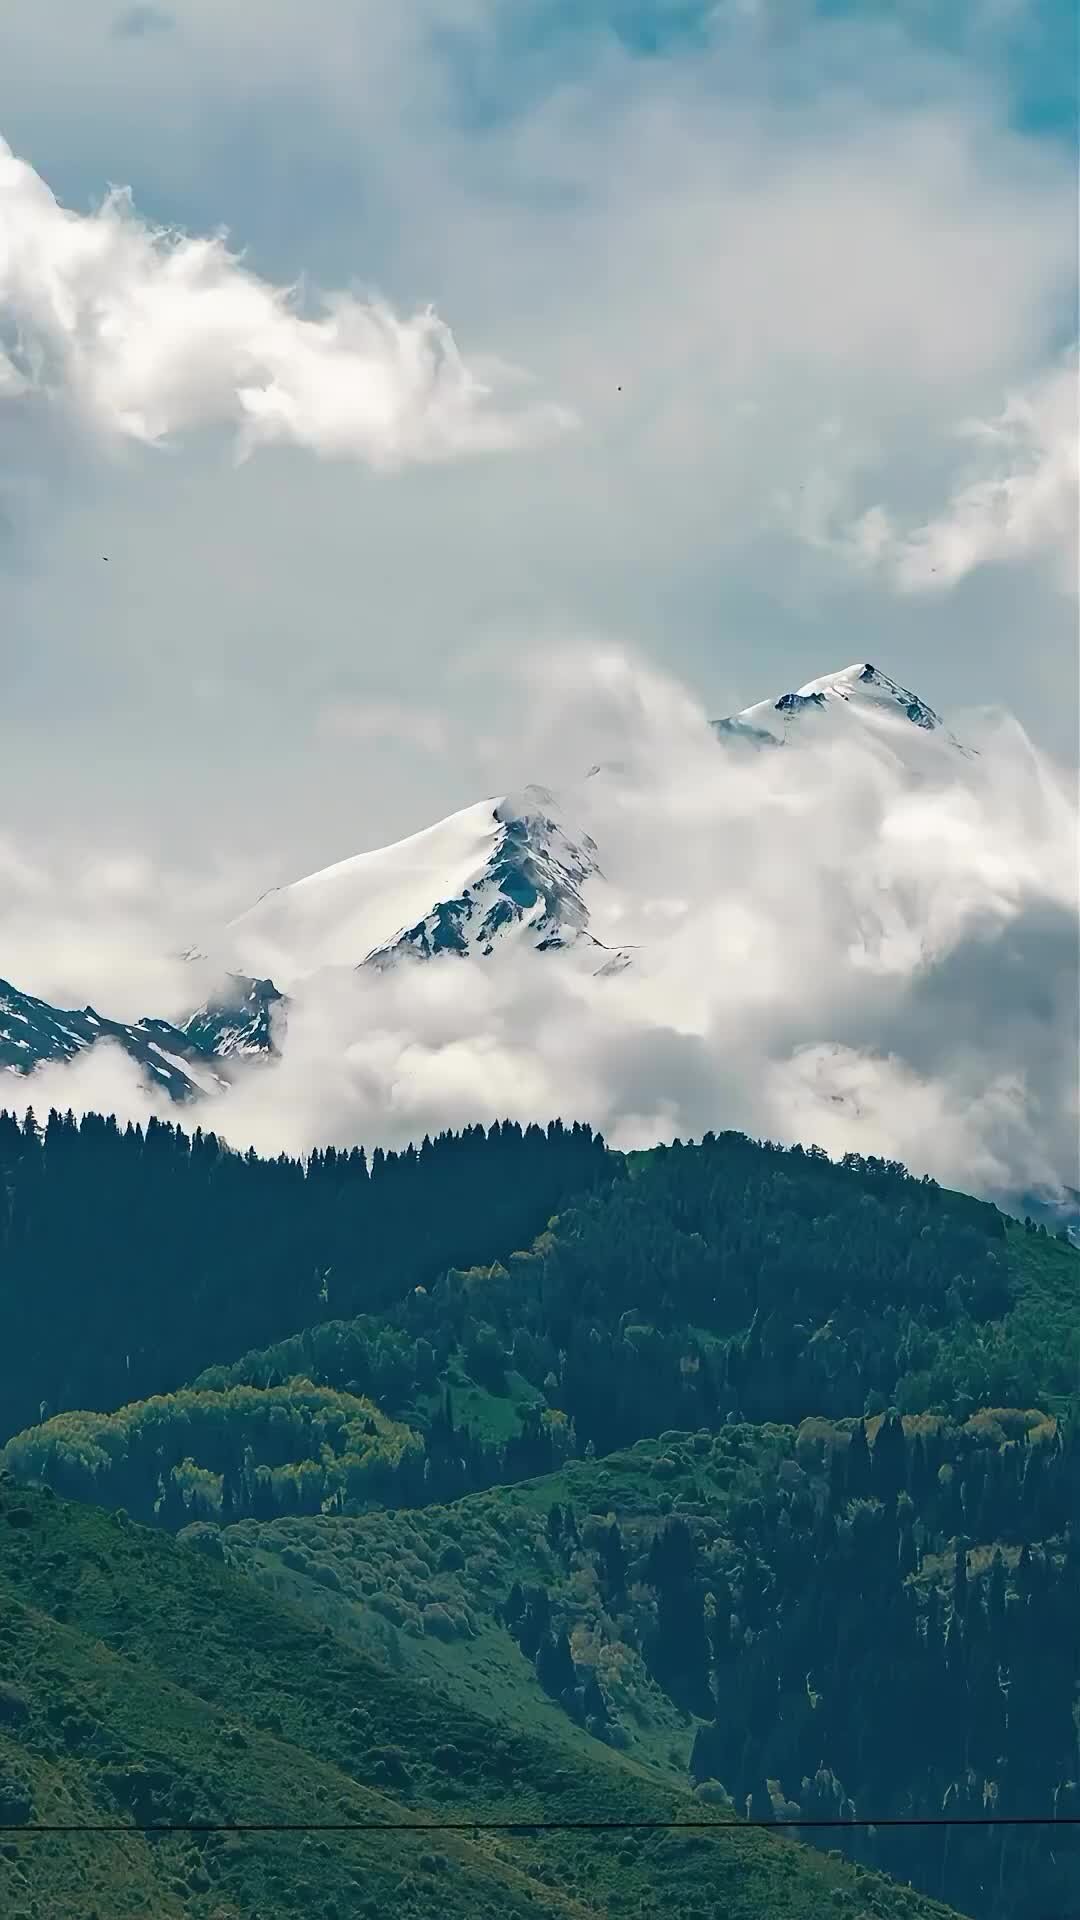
x,y
714,1284
131,1258
727,1281
835,1289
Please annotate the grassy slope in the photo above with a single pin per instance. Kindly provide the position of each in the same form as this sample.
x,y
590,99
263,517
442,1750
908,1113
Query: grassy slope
x,y
492,1417
177,1689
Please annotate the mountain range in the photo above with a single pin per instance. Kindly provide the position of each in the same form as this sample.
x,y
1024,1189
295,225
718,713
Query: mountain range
x,y
508,869
516,870
178,1059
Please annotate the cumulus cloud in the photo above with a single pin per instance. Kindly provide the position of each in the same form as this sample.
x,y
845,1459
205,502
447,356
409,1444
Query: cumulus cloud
x,y
855,233
138,333
1016,498
868,940
1021,498
83,925
982,1134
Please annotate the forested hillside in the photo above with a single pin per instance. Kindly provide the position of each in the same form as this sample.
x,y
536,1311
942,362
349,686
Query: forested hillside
x,y
845,1619
757,1470
130,1259
143,1685
732,1279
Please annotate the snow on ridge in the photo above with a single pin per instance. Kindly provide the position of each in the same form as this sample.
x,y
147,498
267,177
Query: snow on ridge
x,y
862,688
456,886
530,885
513,863
340,914
864,682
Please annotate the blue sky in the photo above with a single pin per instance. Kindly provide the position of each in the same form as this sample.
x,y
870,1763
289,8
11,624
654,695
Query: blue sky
x,y
1029,52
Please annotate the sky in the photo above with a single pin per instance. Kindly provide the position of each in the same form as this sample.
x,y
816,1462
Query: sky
x,y
351,370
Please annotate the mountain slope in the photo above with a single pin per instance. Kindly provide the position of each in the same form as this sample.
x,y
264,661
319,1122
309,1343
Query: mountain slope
x,y
515,865
860,694
763,1605
181,1060
144,1683
501,867
33,1032
803,1616
237,1022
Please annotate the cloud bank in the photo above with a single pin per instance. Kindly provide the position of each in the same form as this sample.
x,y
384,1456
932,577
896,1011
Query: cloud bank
x,y
137,333
834,942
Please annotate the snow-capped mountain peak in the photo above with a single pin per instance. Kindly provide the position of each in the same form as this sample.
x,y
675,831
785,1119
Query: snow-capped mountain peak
x,y
861,690
510,870
508,866
513,869
531,881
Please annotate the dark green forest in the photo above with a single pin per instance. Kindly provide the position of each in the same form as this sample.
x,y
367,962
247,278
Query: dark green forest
x,y
158,1252
729,1281
736,1440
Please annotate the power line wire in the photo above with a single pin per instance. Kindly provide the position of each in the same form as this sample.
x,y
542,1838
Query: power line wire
x,y
541,1826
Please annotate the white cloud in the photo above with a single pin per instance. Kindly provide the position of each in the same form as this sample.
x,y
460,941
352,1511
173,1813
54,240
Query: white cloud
x,y
981,1137
1021,497
840,944
747,247
1016,499
81,924
142,333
